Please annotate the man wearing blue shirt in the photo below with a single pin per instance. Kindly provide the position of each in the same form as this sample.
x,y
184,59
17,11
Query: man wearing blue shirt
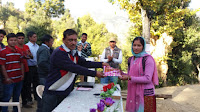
x,y
32,64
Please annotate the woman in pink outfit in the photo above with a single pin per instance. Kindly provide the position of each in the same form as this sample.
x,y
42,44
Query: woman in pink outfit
x,y
142,77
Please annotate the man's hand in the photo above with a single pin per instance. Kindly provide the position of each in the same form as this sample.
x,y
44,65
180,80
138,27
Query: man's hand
x,y
110,58
22,77
85,46
100,74
105,64
79,47
8,81
29,55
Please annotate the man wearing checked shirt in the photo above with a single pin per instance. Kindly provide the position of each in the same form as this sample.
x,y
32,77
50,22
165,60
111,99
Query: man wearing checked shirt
x,y
86,51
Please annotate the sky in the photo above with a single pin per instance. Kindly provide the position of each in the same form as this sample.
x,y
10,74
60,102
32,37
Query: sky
x,y
102,11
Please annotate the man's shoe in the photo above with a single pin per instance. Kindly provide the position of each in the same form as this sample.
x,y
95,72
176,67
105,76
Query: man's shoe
x,y
27,106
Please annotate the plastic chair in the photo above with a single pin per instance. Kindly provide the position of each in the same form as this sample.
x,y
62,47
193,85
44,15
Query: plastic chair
x,y
39,90
11,104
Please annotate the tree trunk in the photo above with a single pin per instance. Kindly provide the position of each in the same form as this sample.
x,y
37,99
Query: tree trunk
x,y
199,72
4,24
145,26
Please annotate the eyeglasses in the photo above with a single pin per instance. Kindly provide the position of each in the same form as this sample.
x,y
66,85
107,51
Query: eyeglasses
x,y
112,41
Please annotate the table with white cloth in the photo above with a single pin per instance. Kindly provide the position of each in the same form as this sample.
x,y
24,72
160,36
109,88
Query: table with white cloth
x,y
83,101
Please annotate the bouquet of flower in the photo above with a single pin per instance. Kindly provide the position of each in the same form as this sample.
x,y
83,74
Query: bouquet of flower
x,y
108,90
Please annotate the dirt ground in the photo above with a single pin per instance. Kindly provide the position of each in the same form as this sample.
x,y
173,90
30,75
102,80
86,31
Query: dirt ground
x,y
184,99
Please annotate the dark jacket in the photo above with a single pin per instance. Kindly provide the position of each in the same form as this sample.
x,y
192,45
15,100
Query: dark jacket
x,y
43,61
60,62
2,45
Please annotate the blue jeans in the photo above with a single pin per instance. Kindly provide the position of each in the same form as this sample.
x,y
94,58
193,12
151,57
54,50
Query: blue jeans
x,y
1,89
11,90
106,80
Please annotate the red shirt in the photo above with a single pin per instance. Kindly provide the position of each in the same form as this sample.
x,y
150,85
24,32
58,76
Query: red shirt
x,y
23,51
11,59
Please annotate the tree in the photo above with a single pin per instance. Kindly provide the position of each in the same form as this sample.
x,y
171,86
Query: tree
x,y
52,8
151,11
161,16
39,15
184,58
59,26
40,24
4,15
6,11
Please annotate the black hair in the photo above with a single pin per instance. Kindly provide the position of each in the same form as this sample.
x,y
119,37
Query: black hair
x,y
141,40
69,32
20,34
46,38
10,35
84,34
2,32
30,34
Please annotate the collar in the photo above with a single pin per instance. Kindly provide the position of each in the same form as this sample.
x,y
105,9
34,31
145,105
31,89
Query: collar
x,y
13,50
82,42
114,47
45,45
32,43
68,50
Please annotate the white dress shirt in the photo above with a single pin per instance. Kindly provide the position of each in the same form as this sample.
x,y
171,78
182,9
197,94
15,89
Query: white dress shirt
x,y
33,48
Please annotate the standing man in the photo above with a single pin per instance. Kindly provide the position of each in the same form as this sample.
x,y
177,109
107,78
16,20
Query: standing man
x,y
113,56
65,63
85,49
32,64
43,62
43,58
2,34
26,54
12,70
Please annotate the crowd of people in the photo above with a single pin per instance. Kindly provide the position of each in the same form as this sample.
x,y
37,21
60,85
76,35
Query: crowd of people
x,y
25,66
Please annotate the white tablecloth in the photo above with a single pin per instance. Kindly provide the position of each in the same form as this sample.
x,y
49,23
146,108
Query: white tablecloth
x,y
82,101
